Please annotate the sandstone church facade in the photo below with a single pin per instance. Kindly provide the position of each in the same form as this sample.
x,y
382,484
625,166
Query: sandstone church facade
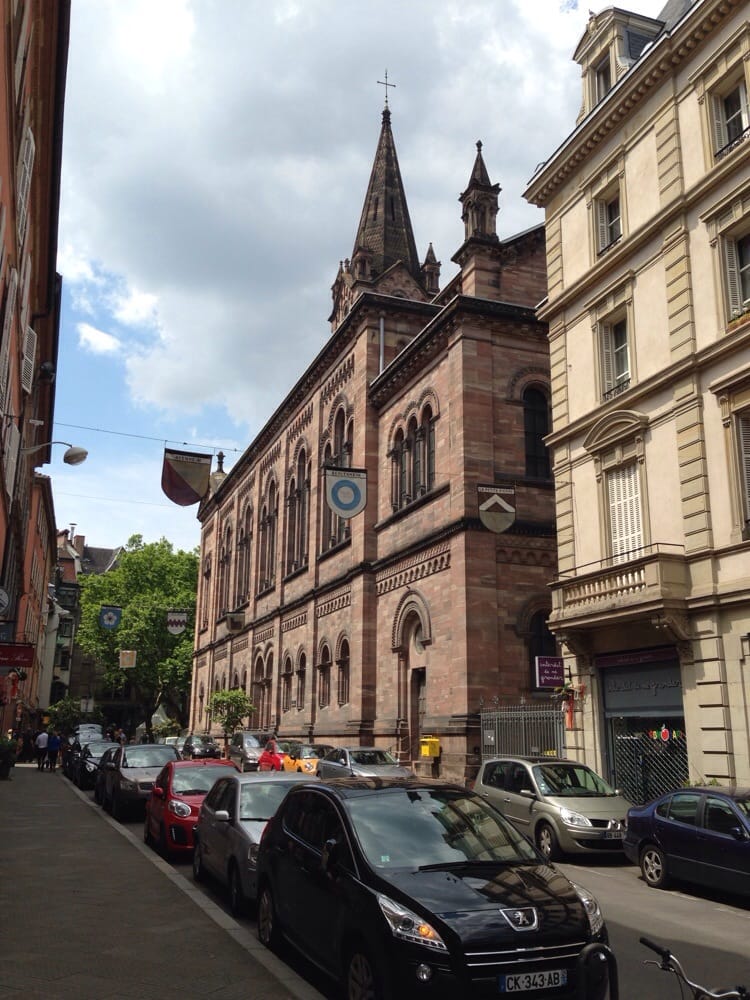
x,y
397,623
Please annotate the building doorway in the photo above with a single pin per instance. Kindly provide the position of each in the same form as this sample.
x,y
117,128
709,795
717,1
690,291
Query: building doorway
x,y
417,708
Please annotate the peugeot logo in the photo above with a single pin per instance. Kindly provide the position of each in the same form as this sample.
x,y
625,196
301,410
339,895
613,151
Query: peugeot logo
x,y
522,919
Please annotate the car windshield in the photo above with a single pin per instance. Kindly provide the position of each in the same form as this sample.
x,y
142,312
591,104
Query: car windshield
x,y
574,780
261,799
195,780
306,752
148,756
251,741
743,805
203,741
424,827
371,758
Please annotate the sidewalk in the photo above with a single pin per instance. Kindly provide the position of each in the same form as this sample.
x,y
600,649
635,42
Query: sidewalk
x,y
88,912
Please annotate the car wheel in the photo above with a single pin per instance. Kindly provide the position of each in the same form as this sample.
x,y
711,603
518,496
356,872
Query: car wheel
x,y
199,872
237,901
361,977
164,844
268,928
546,841
654,867
117,808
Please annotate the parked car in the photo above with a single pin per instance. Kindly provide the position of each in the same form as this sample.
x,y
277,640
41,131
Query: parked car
x,y
197,747
419,887
563,806
172,808
304,757
127,775
230,823
86,763
275,755
363,762
245,749
699,835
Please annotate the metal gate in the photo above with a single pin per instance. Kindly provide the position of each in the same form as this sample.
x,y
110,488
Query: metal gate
x,y
525,730
648,764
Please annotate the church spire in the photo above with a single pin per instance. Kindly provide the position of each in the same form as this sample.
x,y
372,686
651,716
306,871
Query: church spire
x,y
480,201
385,235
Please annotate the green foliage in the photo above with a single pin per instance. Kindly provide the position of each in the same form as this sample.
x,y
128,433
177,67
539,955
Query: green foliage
x,y
148,581
8,750
230,709
65,714
169,728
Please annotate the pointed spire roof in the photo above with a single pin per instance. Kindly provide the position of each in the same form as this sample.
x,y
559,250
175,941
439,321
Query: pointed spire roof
x,y
479,176
385,227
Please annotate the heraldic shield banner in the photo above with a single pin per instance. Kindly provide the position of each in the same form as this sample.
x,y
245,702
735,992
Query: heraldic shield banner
x,y
346,490
184,476
176,622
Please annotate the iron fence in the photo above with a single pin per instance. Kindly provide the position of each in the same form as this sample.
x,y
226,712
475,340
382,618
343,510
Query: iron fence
x,y
525,730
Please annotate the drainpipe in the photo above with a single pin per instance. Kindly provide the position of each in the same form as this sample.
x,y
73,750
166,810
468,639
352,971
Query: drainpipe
x,y
382,344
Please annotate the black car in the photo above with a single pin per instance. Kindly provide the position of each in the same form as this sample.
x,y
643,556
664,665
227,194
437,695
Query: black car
x,y
200,748
699,835
419,885
86,762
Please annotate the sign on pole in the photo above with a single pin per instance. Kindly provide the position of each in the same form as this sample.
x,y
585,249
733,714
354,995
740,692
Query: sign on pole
x,y
127,659
346,490
550,671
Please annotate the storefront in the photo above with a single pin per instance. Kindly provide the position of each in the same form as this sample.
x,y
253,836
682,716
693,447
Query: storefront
x,y
645,720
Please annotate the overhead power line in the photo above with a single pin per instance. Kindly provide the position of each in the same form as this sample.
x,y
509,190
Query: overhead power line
x,y
145,437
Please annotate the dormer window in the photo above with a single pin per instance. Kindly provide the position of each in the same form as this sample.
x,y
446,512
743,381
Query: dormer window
x,y
603,78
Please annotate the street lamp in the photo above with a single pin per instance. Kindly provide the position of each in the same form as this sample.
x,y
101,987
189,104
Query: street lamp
x,y
73,456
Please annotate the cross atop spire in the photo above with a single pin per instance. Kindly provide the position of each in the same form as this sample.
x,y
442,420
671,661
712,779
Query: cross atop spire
x,y
384,83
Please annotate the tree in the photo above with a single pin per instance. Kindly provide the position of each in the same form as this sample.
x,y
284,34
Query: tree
x,y
229,708
148,581
66,714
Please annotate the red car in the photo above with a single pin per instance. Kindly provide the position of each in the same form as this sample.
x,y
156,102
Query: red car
x,y
273,757
172,808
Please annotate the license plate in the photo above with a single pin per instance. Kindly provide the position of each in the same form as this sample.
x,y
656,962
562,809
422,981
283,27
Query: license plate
x,y
524,981
613,835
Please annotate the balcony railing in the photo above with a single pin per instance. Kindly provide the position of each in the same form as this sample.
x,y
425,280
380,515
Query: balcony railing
x,y
648,575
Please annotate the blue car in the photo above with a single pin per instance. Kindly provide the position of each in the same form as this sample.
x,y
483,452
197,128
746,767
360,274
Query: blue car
x,y
699,835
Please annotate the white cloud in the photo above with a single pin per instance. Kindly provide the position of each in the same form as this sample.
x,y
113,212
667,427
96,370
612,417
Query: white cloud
x,y
97,341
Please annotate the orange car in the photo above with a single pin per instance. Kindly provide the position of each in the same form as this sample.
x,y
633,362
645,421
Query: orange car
x,y
303,757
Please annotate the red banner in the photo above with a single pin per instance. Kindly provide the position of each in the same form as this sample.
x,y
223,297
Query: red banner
x,y
184,476
15,656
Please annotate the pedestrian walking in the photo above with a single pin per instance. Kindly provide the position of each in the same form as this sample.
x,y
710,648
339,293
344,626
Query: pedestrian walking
x,y
27,747
40,744
53,749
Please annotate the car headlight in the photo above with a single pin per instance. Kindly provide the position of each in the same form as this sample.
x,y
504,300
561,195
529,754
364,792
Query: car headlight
x,y
408,926
308,766
128,786
90,767
571,818
590,905
178,808
252,855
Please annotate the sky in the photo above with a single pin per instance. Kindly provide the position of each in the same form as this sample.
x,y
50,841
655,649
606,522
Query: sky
x,y
216,157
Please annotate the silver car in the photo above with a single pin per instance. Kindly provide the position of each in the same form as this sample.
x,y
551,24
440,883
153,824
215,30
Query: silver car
x,y
563,806
245,750
128,774
231,821
361,762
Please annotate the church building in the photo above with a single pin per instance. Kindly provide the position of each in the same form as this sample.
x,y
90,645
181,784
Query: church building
x,y
399,622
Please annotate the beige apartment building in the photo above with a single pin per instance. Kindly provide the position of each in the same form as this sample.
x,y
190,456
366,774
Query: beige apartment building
x,y
647,208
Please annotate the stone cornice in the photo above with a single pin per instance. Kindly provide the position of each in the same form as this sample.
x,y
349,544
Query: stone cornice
x,y
663,60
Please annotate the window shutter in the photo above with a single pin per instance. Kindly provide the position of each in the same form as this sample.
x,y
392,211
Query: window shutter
x,y
11,458
29,357
10,308
720,125
25,170
601,225
743,105
624,510
608,359
733,278
744,433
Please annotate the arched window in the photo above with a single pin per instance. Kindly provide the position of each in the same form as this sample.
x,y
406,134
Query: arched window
x,y
324,678
343,675
244,554
414,439
258,692
268,527
206,591
225,564
298,515
536,427
286,685
292,503
427,427
301,677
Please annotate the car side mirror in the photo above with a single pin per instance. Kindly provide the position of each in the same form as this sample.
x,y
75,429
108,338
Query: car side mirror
x,y
158,792
527,793
738,833
221,816
109,766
